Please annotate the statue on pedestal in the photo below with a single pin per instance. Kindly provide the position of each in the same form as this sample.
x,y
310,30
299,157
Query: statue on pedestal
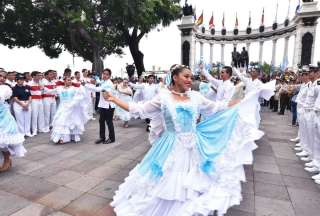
x,y
244,58
236,58
187,9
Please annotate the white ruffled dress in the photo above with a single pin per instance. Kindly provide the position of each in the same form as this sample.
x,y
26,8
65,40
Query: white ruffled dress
x,y
71,116
191,169
10,138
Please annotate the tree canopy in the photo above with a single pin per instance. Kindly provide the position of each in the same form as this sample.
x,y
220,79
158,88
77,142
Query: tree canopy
x,y
91,29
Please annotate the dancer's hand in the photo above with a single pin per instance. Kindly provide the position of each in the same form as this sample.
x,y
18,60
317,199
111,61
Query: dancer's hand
x,y
234,102
108,96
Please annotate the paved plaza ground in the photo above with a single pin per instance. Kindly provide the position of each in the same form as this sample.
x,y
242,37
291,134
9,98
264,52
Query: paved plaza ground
x,y
79,179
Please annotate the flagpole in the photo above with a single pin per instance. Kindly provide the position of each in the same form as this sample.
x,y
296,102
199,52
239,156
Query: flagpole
x,y
276,18
289,7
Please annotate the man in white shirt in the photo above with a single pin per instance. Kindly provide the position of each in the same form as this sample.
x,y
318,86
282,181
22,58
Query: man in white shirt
x,y
149,90
11,79
252,83
225,87
106,108
316,146
49,100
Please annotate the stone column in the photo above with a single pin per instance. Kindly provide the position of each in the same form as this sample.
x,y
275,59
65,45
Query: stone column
x,y
211,53
274,51
261,52
222,53
294,51
286,46
201,50
248,48
194,60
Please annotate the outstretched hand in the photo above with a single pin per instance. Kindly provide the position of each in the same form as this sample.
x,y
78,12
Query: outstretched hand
x,y
107,96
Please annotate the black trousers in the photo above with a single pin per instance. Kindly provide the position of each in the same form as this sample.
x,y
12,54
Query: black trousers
x,y
271,103
284,100
106,117
275,105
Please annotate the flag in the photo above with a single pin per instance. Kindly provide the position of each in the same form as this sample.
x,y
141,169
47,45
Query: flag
x,y
223,21
284,64
298,7
249,24
211,22
262,17
200,20
237,21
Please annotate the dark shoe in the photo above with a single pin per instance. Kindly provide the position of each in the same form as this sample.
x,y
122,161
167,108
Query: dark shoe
x,y
99,141
280,113
109,141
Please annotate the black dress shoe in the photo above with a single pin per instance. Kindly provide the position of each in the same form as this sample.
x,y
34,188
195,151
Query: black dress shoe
x,y
108,141
99,141
148,128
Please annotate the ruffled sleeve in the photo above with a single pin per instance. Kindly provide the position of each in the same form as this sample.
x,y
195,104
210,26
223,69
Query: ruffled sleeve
x,y
147,109
5,93
208,107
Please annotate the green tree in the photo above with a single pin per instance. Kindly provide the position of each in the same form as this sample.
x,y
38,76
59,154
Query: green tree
x,y
136,18
266,68
91,29
57,25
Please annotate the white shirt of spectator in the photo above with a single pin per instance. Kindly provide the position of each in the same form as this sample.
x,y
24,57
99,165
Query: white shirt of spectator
x,y
317,95
11,83
310,99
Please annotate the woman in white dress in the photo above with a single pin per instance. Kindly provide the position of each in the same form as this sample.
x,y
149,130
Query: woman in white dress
x,y
72,114
11,140
191,169
138,94
125,94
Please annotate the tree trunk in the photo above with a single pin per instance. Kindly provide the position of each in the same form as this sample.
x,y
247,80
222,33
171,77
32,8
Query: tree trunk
x,y
97,64
137,56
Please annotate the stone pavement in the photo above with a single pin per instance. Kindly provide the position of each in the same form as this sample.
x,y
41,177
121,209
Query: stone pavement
x,y
79,179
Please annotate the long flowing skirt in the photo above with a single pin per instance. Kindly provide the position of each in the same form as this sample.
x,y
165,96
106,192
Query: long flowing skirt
x,y
10,138
69,121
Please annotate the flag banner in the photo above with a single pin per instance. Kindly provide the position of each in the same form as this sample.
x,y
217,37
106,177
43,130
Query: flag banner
x,y
223,21
237,21
200,20
211,22
262,17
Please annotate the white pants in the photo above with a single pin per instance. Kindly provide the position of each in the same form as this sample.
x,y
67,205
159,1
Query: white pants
x,y
316,145
302,132
23,118
309,131
90,107
50,107
37,116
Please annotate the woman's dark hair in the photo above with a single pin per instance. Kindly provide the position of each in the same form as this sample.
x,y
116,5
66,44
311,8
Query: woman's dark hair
x,y
107,70
228,70
176,70
35,73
